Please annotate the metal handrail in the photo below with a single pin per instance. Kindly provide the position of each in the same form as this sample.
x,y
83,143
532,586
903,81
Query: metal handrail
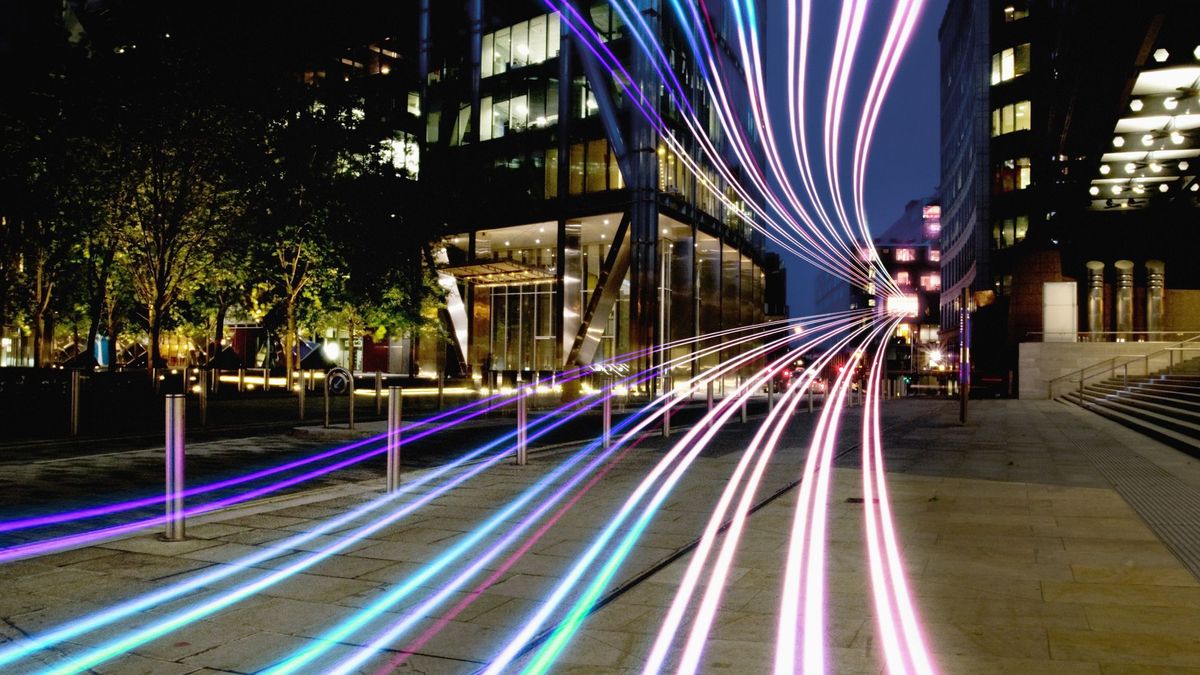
x,y
1082,375
1138,336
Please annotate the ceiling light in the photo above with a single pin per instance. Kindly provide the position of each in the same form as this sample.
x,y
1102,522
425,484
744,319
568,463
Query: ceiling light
x,y
507,243
537,241
1118,142
1127,204
1195,187
1162,187
1196,52
664,230
541,229
1176,138
1135,105
1170,103
1183,165
1148,139
1130,167
1138,189
1155,167
606,221
602,236
1094,190
1116,189
1161,55
1104,169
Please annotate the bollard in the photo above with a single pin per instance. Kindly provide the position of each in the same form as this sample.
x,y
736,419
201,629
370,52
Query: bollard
x,y
203,396
266,379
745,397
395,408
379,393
607,416
666,418
770,394
522,449
441,401
326,381
76,382
174,462
710,399
300,394
350,392
810,397
241,380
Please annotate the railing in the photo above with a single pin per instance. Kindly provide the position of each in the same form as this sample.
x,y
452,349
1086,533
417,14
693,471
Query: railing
x,y
1118,336
1110,366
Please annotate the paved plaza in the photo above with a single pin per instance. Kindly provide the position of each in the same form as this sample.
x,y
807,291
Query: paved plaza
x,y
1029,547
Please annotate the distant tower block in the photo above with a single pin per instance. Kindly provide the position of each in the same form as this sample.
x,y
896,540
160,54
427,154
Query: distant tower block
x,y
1095,299
1155,290
1124,299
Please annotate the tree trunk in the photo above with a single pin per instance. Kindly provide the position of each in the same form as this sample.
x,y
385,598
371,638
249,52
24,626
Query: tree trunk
x,y
219,331
40,302
352,350
291,359
152,350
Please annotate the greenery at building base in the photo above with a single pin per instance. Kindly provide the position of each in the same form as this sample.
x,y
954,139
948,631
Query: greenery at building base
x,y
177,190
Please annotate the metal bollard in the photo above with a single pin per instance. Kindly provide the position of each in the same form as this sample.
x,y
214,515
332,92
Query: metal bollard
x,y
350,392
301,392
666,418
810,397
175,405
241,380
395,409
326,381
522,449
266,379
745,397
203,396
379,393
76,383
710,397
770,394
607,417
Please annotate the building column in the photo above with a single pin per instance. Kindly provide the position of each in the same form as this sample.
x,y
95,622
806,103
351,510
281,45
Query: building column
x,y
1095,300
1124,327
1155,290
643,232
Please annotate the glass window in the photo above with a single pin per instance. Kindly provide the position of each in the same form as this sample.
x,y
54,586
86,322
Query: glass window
x,y
520,45
518,111
597,166
996,128
1020,227
537,40
1012,13
1012,174
931,282
1006,118
576,182
935,255
1010,63
552,36
615,181
431,127
905,255
414,103
499,119
1022,116
902,278
502,53
551,173
485,114
488,61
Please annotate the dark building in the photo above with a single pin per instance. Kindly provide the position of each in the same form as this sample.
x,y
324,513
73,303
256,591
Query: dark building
x,y
1057,150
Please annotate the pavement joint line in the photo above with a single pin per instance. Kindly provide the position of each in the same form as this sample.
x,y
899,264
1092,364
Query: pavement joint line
x,y
678,553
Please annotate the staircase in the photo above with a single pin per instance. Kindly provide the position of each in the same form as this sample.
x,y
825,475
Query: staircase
x,y
1165,405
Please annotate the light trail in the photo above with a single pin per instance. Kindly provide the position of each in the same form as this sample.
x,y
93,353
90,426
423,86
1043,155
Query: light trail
x,y
109,616
566,628
804,575
894,609
348,627
777,420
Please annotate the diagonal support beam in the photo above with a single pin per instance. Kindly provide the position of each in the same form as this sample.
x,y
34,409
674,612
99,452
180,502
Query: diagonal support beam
x,y
600,304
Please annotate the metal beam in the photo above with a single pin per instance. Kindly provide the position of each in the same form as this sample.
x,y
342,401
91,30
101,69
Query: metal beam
x,y
600,304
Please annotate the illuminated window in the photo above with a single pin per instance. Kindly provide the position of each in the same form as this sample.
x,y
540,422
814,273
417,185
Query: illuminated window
x,y
935,255
1011,174
903,279
1010,63
1014,12
905,255
1009,118
525,44
1009,231
931,282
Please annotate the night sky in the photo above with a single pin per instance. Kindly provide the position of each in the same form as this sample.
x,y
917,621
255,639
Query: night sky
x,y
904,157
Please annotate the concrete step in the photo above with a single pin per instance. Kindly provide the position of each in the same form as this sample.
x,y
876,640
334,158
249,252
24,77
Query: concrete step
x,y
1162,406
1181,441
1166,420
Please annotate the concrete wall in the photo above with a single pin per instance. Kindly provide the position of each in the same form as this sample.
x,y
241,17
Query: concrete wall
x,y
1040,362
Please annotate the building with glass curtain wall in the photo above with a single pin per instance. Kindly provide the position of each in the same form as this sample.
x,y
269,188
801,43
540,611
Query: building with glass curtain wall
x,y
573,232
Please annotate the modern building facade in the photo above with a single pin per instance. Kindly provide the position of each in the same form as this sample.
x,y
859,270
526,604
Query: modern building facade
x,y
573,232
1037,107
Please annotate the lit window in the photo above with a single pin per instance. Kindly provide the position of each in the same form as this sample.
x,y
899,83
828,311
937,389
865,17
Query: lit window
x,y
1011,174
1013,13
1009,118
935,255
905,255
931,282
525,44
903,279
1010,63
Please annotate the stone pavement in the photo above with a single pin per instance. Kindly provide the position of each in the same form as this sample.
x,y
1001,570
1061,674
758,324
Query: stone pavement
x,y
1022,556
